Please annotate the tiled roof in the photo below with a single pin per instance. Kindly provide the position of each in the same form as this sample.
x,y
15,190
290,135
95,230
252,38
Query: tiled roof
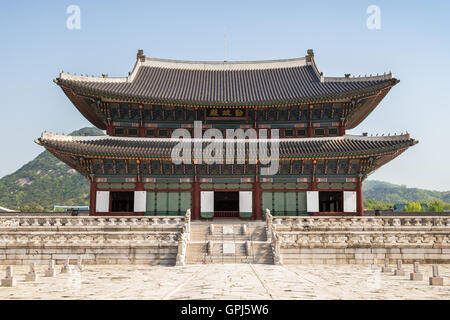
x,y
229,83
161,148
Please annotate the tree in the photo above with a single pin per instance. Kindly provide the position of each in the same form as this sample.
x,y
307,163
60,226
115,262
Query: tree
x,y
413,207
436,206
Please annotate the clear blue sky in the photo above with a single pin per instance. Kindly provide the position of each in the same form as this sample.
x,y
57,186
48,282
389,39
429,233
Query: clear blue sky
x,y
413,42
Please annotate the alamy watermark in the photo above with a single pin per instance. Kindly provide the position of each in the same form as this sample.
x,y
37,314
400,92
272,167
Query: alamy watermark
x,y
240,145
373,22
73,22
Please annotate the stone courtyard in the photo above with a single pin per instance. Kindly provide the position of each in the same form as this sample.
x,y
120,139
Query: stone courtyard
x,y
227,281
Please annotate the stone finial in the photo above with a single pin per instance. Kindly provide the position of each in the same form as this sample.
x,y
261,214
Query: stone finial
x,y
347,75
9,280
387,267
79,265
435,271
436,279
50,272
9,272
416,275
399,271
310,55
31,275
66,268
140,55
104,75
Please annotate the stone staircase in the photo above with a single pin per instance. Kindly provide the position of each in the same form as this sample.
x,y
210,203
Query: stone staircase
x,y
228,242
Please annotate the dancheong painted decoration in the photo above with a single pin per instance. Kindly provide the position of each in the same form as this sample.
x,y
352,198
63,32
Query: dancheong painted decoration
x,y
304,114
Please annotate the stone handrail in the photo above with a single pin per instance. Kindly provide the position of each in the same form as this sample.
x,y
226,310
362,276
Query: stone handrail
x,y
17,222
273,237
184,239
360,223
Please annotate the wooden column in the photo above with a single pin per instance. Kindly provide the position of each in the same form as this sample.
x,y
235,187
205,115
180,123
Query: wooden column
x,y
92,196
359,198
341,128
195,200
257,200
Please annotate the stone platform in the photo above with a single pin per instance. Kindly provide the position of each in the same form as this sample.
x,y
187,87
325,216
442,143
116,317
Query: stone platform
x,y
227,281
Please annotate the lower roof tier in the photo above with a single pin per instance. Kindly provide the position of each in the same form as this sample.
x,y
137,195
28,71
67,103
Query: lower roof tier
x,y
75,150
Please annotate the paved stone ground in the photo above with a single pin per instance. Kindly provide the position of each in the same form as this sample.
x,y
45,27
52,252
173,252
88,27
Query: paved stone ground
x,y
242,281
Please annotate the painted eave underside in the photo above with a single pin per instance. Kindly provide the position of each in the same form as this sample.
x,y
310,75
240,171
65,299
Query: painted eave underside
x,y
108,147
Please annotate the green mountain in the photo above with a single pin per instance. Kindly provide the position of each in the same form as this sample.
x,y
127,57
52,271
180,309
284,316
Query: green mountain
x,y
393,193
44,182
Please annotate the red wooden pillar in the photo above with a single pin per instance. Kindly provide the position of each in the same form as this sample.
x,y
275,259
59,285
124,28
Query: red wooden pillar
x,y
341,128
359,198
309,130
257,200
92,196
196,200
109,129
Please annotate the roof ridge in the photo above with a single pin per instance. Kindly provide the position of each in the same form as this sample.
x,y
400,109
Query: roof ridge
x,y
63,137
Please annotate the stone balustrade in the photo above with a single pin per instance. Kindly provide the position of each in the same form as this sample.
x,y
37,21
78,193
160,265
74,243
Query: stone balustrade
x,y
96,239
361,239
53,223
361,223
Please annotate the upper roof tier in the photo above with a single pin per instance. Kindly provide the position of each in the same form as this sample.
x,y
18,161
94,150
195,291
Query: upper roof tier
x,y
239,83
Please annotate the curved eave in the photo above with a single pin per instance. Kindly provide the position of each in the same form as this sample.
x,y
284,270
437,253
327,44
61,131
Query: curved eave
x,y
367,105
291,149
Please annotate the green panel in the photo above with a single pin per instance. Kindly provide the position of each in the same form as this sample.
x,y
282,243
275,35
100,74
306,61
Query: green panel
x,y
220,186
278,185
266,186
185,201
151,203
301,202
173,185
324,186
103,186
207,214
129,185
290,185
161,185
185,185
232,186
246,186
278,203
206,185
266,202
245,214
173,203
149,186
116,186
302,185
335,185
350,186
161,203
291,203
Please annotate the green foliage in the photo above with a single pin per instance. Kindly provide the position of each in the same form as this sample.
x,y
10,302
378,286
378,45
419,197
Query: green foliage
x,y
379,195
413,207
436,206
372,204
392,193
45,182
